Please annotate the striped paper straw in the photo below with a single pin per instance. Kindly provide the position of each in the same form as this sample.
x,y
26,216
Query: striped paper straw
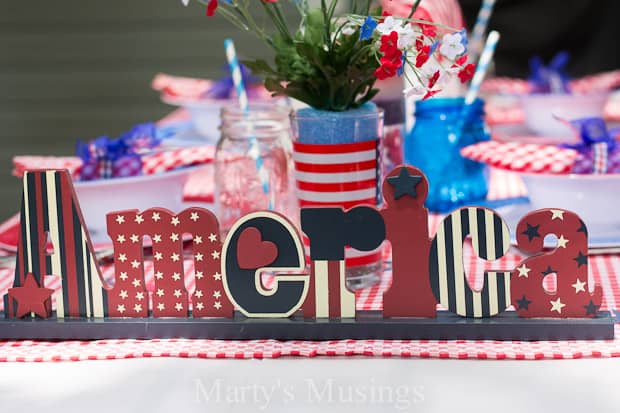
x,y
482,67
235,70
482,21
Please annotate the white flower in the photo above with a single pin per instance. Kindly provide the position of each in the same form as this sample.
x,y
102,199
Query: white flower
x,y
388,26
406,37
185,2
415,90
444,78
452,45
348,30
429,68
452,70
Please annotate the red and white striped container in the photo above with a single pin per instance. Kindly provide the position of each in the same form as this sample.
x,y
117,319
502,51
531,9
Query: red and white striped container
x,y
342,174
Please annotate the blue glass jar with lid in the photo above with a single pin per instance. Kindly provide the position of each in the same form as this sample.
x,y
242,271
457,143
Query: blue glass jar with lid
x,y
441,130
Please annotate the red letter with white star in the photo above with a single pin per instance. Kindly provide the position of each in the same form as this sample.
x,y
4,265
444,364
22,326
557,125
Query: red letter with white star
x,y
568,261
129,297
406,221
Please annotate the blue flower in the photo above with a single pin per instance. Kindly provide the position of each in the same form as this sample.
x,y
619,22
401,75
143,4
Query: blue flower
x,y
401,69
463,34
367,28
433,47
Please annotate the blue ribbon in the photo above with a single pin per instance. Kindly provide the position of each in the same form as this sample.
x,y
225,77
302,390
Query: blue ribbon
x,y
105,151
592,131
225,87
551,78
102,148
142,136
597,144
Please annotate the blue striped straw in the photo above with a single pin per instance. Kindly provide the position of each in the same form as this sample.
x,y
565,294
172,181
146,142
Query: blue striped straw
x,y
482,67
481,71
482,21
235,70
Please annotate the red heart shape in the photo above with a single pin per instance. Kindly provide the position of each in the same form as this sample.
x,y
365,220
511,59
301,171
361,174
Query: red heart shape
x,y
253,252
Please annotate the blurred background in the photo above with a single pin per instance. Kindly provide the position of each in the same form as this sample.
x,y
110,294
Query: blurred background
x,y
82,68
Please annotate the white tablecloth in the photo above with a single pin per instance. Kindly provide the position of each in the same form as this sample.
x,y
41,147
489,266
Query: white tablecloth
x,y
328,384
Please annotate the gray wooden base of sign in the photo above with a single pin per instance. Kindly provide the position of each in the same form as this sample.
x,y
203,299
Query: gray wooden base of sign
x,y
367,325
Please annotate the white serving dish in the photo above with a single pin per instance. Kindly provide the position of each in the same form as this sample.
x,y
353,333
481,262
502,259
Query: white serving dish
x,y
98,198
540,108
595,198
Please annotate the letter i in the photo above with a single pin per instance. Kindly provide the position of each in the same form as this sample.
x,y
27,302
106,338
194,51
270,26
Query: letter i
x,y
406,222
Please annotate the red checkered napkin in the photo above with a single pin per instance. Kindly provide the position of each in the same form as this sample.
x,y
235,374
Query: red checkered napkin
x,y
506,86
23,163
151,163
599,82
175,87
200,186
596,83
501,115
522,157
170,160
187,90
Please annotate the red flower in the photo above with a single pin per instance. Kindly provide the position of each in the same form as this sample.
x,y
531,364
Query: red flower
x,y
419,43
423,55
391,60
384,14
211,7
467,72
389,46
387,69
461,60
428,29
433,79
430,93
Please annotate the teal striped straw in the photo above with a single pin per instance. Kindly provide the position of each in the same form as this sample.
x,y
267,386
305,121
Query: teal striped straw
x,y
482,67
481,71
482,21
235,70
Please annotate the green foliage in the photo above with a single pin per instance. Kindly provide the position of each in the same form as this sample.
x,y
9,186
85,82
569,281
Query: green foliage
x,y
317,64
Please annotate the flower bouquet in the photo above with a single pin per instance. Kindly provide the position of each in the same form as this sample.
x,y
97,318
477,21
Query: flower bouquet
x,y
328,60
331,62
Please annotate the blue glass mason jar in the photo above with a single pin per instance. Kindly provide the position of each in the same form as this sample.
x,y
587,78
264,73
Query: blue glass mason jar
x,y
434,145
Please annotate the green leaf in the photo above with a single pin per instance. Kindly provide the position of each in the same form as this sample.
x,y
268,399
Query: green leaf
x,y
314,29
259,67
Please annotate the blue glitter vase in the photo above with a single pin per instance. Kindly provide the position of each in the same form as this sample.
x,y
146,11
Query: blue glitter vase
x,y
434,145
337,164
315,126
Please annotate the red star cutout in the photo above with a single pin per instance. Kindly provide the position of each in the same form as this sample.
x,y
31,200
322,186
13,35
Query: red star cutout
x,y
31,298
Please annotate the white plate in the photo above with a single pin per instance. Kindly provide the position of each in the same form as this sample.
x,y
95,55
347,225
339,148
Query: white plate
x,y
518,132
540,109
599,236
98,198
187,137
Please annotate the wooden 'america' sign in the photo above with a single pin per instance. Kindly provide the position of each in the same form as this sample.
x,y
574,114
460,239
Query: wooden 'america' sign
x,y
307,300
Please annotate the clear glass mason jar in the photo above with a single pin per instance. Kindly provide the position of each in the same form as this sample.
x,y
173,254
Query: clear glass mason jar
x,y
240,187
434,146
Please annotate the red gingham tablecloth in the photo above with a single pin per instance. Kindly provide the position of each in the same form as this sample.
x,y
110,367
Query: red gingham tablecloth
x,y
604,269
